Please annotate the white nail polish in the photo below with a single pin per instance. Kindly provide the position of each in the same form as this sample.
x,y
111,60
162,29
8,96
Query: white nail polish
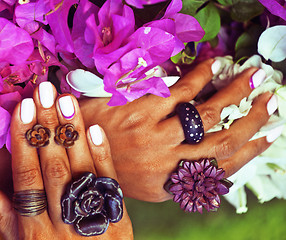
x,y
96,135
272,105
216,66
46,94
27,110
67,107
257,78
274,134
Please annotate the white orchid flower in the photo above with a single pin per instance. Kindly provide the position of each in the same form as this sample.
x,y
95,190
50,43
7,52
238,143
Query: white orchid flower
x,y
90,85
265,175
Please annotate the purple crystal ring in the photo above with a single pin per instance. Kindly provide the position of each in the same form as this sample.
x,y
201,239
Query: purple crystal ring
x,y
191,122
198,184
91,203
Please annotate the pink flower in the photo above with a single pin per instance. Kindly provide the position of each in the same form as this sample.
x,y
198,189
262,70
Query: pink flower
x,y
141,3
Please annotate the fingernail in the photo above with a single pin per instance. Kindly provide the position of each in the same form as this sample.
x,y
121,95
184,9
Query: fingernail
x,y
272,105
46,94
67,107
27,110
274,134
96,135
257,78
216,66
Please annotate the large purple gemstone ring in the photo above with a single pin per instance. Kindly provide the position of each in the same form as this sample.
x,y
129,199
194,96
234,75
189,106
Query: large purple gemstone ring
x,y
91,203
191,122
198,184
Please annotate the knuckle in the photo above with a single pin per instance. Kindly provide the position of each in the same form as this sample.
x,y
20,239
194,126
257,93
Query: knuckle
x,y
209,116
102,157
56,171
49,119
27,176
186,91
225,148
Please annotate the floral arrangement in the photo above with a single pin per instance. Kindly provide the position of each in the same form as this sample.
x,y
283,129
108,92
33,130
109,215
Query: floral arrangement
x,y
126,49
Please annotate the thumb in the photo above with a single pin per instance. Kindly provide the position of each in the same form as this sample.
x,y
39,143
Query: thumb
x,y
8,219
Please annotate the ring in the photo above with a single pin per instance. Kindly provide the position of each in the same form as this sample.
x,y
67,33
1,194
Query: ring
x,y
191,122
38,136
198,184
30,202
66,135
91,203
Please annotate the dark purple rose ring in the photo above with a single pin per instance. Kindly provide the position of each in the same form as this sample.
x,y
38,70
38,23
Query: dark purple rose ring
x,y
191,122
198,184
90,203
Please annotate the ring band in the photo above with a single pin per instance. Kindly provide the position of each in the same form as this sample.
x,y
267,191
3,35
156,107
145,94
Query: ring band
x,y
30,202
191,122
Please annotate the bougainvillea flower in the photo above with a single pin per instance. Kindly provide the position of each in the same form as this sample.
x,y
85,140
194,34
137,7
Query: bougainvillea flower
x,y
83,48
16,44
141,3
115,24
58,22
129,78
185,28
198,184
276,7
5,118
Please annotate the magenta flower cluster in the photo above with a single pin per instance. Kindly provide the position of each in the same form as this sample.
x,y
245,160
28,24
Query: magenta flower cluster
x,y
198,184
37,35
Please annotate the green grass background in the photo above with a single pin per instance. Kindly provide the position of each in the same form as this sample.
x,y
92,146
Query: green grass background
x,y
165,221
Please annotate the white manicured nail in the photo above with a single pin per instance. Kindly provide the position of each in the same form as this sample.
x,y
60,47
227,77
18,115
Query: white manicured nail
x,y
274,134
67,107
96,135
46,94
27,110
272,105
216,66
257,78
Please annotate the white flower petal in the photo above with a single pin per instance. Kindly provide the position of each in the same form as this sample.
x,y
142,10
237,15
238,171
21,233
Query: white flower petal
x,y
169,81
238,199
271,43
86,83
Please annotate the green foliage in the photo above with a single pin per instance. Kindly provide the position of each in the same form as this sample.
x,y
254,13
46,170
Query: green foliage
x,y
244,10
246,44
153,221
209,20
225,2
191,6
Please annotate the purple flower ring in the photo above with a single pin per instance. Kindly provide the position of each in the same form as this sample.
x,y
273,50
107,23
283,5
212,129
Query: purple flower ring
x,y
191,122
198,184
90,203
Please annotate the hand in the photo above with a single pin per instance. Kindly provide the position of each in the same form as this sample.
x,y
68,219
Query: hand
x,y
146,143
53,167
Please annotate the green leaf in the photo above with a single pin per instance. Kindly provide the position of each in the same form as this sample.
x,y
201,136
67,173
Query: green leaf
x,y
246,44
191,6
244,10
209,19
225,2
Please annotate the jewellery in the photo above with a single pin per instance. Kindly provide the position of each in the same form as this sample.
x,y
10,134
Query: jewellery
x,y
197,184
38,136
191,122
66,135
30,202
90,203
